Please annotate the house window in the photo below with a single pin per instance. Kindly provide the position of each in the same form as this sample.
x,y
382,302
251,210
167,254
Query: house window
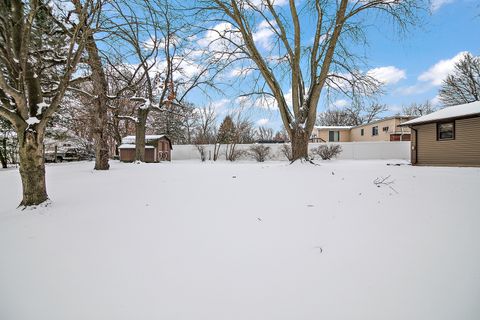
x,y
385,129
375,131
362,132
446,131
333,136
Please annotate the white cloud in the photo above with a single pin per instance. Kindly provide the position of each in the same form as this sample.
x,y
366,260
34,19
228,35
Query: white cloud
x,y
264,34
221,38
393,108
240,72
433,77
438,72
340,103
262,102
387,75
265,102
436,4
262,122
288,97
435,101
220,104
414,89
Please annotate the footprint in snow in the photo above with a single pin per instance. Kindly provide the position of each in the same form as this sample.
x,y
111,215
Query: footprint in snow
x,y
320,249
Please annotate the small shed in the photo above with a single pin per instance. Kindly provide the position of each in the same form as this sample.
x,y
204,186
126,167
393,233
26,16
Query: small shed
x,y
157,148
448,137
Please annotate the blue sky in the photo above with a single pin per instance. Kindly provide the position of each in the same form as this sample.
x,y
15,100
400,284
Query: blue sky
x,y
412,65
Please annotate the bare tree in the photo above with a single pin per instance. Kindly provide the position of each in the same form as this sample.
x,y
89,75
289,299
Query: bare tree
x,y
202,150
463,85
372,112
98,94
326,61
264,134
164,61
334,117
242,133
353,115
41,45
176,121
418,109
206,129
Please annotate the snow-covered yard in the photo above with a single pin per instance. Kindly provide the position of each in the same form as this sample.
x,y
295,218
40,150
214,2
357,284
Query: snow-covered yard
x,y
228,241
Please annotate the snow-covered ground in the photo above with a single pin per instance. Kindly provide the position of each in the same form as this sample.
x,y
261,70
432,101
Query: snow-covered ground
x,y
228,241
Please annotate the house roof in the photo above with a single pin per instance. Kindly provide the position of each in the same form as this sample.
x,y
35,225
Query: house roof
x,y
333,127
383,119
458,111
362,125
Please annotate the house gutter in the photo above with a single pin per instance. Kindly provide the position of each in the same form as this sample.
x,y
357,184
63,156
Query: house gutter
x,y
416,145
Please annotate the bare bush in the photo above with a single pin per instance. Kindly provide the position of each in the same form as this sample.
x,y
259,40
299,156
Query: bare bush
x,y
327,152
260,152
235,154
287,151
203,152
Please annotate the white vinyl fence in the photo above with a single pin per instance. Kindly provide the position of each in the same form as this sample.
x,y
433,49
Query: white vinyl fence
x,y
350,150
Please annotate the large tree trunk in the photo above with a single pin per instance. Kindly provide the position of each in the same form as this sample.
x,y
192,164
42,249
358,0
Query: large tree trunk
x,y
3,153
101,138
299,144
140,134
3,158
32,169
100,89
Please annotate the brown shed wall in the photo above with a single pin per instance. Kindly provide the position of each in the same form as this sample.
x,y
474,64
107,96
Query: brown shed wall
x,y
128,155
464,150
164,150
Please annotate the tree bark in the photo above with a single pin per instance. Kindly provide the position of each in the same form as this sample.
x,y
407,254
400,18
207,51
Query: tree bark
x,y
3,153
32,169
299,144
100,89
140,134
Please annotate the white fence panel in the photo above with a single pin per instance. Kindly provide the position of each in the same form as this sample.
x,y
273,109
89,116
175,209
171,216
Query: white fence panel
x,y
350,150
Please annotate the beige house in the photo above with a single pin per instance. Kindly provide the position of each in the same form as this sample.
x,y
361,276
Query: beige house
x,y
387,129
448,137
330,134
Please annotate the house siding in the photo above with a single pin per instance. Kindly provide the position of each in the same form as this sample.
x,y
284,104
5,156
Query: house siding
x,y
464,150
392,124
344,134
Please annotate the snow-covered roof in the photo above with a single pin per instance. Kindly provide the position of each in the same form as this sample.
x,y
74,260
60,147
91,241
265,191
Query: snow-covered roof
x,y
458,111
132,146
333,127
374,121
148,138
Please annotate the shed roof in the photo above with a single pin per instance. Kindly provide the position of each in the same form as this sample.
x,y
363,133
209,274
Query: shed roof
x,y
148,138
458,111
132,146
